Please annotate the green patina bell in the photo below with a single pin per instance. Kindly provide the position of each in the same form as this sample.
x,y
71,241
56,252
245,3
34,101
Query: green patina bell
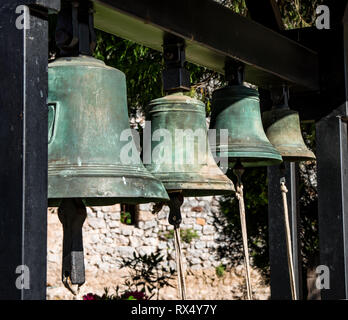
x,y
181,157
87,114
283,130
237,109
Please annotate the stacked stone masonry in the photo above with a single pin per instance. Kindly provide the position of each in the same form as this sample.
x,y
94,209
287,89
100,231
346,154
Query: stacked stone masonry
x,y
108,241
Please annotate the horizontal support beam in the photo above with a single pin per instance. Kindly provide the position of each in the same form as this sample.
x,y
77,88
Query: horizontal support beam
x,y
212,33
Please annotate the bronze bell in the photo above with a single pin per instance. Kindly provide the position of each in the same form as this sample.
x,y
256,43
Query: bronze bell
x,y
185,165
87,107
283,130
237,109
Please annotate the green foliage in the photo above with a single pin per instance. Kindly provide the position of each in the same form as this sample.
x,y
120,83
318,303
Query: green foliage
x,y
298,13
294,13
238,6
147,273
186,235
220,270
126,217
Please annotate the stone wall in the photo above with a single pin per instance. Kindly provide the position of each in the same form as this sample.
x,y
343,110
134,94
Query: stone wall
x,y
108,241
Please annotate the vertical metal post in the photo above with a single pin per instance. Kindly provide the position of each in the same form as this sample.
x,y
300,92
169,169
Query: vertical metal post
x,y
23,159
280,285
332,162
332,166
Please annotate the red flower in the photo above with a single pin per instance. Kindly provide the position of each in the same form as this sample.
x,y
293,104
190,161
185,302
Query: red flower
x,y
89,296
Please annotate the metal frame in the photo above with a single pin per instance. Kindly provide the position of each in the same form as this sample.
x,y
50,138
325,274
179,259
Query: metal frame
x,y
271,58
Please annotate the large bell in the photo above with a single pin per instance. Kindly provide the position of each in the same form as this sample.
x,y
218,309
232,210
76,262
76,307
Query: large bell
x,y
283,130
87,115
237,109
184,165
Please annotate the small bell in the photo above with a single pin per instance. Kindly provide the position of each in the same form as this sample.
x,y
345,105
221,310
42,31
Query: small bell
x,y
283,129
282,126
237,109
185,168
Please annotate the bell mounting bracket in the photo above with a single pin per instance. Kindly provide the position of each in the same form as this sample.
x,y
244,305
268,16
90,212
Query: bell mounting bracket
x,y
280,97
75,33
234,72
175,77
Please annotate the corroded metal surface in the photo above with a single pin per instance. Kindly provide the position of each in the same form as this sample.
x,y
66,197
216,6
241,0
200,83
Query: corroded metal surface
x,y
237,109
72,214
283,130
199,176
87,114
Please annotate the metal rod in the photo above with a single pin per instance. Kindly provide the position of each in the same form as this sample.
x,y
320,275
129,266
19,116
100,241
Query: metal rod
x,y
176,200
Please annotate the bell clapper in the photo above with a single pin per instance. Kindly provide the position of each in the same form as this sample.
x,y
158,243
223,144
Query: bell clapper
x,y
284,191
72,214
238,170
176,200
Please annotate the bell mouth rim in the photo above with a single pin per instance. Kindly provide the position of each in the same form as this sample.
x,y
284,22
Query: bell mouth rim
x,y
260,160
147,190
266,149
205,190
108,201
298,157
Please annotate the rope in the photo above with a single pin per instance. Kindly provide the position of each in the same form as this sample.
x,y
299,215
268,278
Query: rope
x,y
240,197
179,264
284,191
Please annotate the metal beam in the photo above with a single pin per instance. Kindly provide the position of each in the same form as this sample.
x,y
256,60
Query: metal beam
x,y
23,160
212,33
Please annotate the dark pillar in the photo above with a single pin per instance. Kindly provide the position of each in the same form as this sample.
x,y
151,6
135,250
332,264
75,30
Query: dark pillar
x,y
280,285
23,159
332,162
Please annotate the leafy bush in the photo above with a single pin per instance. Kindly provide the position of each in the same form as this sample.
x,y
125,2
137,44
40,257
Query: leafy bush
x,y
147,273
220,270
186,235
